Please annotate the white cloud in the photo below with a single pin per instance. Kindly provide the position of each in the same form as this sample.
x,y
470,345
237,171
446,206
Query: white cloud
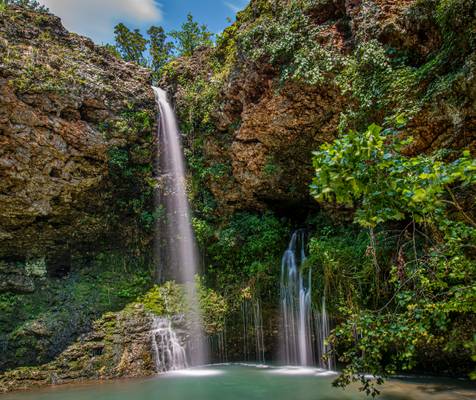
x,y
96,18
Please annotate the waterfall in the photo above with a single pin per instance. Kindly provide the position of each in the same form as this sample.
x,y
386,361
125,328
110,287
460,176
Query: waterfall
x,y
177,245
253,332
322,332
298,318
217,344
259,331
296,308
169,354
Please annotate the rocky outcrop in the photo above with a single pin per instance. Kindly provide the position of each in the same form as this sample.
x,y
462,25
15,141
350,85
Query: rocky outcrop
x,y
266,127
150,335
119,346
65,104
20,279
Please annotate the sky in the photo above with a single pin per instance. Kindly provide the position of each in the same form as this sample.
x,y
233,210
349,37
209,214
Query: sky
x,y
97,18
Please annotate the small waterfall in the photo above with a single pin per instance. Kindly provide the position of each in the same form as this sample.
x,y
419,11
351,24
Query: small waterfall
x,y
177,246
253,332
322,332
217,344
296,308
301,325
259,331
169,354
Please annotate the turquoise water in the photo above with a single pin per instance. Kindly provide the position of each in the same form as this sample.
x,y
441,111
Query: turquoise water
x,y
245,382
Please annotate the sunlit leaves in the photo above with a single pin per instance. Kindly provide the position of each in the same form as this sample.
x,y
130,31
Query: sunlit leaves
x,y
367,171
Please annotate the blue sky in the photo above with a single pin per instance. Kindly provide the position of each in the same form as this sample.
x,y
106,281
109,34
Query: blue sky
x,y
96,18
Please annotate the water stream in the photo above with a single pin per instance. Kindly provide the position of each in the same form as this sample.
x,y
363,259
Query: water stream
x,y
304,330
177,249
253,331
169,354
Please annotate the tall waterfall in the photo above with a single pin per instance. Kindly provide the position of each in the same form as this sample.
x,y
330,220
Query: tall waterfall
x,y
301,326
177,242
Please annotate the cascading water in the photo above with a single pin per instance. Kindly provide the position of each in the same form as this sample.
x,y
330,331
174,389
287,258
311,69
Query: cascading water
x,y
296,310
322,332
169,354
253,332
177,242
259,331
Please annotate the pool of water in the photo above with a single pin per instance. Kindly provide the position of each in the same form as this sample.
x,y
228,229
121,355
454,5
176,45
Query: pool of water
x,y
248,382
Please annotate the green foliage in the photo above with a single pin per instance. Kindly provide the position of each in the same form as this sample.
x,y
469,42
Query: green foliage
x,y
457,21
247,250
288,39
341,267
378,82
190,37
65,307
39,77
368,170
169,300
112,50
160,50
130,44
28,4
213,306
385,86
430,281
164,300
131,171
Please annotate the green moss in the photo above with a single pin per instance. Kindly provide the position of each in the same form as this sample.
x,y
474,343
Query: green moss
x,y
131,170
64,307
159,298
169,300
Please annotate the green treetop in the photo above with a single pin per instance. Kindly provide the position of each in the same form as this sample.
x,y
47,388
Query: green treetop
x,y
130,44
191,37
30,4
160,50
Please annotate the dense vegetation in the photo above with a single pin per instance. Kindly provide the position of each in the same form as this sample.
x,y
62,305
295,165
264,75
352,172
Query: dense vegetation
x,y
392,232
400,280
424,287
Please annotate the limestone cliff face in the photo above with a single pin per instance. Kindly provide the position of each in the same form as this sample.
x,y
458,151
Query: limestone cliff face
x,y
65,106
266,127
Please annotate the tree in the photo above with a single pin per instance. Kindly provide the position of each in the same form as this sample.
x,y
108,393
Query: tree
x,y
30,4
431,290
160,50
191,37
130,44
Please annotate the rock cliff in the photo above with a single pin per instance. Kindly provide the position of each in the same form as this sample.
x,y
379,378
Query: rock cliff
x,y
67,107
289,75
